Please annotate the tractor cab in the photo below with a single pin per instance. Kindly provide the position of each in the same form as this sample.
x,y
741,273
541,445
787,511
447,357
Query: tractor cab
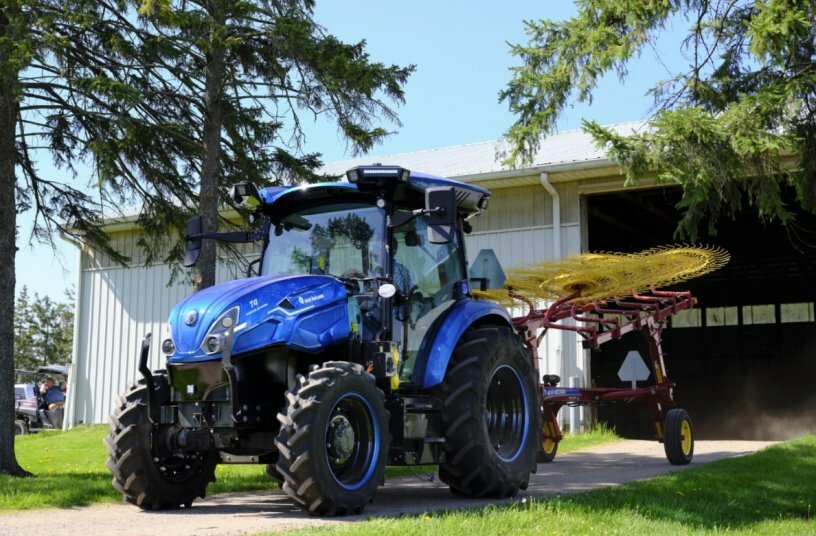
x,y
392,237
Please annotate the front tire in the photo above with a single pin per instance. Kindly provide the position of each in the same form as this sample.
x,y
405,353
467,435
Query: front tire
x,y
273,473
333,441
20,427
144,473
490,413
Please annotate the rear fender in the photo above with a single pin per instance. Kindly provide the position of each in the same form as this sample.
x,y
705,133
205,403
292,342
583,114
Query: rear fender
x,y
460,317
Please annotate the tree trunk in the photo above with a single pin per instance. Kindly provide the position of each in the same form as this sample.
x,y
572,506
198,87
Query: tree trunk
x,y
8,249
211,161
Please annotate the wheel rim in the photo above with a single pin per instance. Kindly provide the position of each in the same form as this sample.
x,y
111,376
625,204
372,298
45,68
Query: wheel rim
x,y
547,444
685,437
506,413
352,441
177,467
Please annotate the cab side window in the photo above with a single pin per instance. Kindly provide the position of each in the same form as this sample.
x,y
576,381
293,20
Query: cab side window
x,y
433,269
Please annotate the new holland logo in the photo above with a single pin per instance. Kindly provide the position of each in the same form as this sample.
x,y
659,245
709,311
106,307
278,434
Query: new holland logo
x,y
310,299
191,317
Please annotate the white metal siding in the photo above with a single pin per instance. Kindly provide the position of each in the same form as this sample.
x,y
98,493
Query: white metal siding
x,y
116,307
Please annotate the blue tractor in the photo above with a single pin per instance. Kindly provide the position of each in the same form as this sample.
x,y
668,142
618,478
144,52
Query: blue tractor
x,y
357,345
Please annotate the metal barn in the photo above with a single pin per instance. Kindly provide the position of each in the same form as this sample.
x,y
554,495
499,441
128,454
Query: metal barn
x,y
742,361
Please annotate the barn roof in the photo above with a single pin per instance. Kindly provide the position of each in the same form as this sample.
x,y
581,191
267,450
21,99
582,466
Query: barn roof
x,y
561,150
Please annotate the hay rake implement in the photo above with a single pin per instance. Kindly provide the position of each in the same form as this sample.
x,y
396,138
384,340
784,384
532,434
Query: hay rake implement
x,y
608,296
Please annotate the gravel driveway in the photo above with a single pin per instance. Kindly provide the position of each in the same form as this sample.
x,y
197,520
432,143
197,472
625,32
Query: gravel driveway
x,y
247,513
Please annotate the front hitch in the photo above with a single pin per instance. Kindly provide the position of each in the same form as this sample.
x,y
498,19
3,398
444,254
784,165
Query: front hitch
x,y
187,440
152,408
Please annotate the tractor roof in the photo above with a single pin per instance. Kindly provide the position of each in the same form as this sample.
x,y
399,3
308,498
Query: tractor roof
x,y
404,188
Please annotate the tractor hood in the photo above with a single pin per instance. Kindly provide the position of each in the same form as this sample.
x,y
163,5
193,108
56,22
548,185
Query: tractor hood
x,y
306,312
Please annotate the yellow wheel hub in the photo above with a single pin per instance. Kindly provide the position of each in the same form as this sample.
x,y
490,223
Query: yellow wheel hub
x,y
547,445
685,437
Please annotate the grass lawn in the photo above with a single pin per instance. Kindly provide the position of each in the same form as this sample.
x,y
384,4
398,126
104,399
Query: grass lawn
x,y
70,470
770,492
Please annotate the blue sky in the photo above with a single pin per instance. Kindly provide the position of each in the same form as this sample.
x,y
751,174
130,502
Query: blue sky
x,y
462,57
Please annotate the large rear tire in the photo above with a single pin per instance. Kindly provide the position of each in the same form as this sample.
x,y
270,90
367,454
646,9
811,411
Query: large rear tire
x,y
333,441
490,413
145,473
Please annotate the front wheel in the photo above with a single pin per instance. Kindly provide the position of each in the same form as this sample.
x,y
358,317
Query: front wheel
x,y
143,471
678,437
272,471
20,427
490,412
333,441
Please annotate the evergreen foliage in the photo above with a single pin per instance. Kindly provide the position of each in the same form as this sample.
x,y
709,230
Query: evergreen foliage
x,y
247,75
166,102
43,330
737,128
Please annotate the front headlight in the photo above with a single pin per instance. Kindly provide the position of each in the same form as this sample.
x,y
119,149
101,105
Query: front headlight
x,y
168,346
220,332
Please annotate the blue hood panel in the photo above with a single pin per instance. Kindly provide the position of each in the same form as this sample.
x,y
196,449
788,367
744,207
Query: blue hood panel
x,y
306,312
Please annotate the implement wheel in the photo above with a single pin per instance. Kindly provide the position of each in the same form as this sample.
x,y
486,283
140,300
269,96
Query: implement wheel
x,y
333,441
143,470
490,413
548,447
678,437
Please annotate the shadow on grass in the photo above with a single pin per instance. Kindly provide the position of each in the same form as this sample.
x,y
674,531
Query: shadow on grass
x,y
773,484
56,490
754,492
75,489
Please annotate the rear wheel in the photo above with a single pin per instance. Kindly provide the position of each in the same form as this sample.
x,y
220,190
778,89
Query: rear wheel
x,y
678,437
143,471
333,441
490,415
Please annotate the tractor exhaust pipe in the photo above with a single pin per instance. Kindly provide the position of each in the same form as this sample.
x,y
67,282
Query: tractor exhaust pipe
x,y
152,407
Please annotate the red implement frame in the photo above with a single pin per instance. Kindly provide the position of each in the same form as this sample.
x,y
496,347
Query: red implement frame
x,y
611,320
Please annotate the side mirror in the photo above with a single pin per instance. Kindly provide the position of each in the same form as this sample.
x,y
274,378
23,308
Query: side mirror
x,y
193,241
440,206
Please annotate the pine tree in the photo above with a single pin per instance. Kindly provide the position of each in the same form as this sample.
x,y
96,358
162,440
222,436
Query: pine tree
x,y
737,128
24,347
246,71
43,330
89,84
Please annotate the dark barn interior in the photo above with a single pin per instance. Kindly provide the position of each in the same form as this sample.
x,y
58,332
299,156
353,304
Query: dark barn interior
x,y
744,361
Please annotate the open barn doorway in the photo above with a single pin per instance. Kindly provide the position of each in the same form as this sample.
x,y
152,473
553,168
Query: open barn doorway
x,y
744,361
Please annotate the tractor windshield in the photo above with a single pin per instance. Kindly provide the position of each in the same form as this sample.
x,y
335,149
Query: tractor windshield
x,y
344,239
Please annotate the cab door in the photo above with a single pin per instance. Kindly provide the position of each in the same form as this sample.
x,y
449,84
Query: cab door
x,y
427,277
